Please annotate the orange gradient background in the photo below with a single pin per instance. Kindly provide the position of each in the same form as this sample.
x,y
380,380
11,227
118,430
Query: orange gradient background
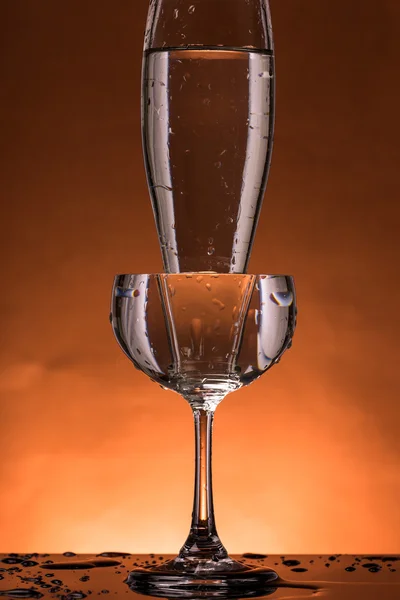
x,y
94,456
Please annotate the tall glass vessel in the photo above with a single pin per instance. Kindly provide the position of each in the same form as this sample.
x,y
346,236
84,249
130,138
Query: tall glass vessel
x,y
208,120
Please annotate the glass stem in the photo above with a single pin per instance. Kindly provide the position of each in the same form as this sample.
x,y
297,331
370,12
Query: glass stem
x,y
203,540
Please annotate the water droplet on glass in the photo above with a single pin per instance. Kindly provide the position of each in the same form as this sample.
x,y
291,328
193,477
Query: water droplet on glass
x,y
171,290
208,286
176,13
191,9
210,251
282,298
218,303
199,278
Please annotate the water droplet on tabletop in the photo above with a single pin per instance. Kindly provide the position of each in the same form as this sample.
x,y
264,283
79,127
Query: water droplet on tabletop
x,y
21,593
290,563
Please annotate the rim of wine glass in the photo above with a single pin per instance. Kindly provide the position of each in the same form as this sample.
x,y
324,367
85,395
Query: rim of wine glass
x,y
211,273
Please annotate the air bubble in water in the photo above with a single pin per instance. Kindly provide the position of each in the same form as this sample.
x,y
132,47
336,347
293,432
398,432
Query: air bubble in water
x,y
282,298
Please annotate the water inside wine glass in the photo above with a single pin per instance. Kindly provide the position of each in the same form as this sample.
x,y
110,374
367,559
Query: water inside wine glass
x,y
208,117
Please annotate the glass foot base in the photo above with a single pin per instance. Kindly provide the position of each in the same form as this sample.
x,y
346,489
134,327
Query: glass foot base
x,y
183,578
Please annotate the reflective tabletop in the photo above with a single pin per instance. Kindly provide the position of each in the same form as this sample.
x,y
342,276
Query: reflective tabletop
x,y
69,575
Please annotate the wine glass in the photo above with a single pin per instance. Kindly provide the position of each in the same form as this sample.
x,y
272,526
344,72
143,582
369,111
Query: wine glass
x,y
203,335
208,88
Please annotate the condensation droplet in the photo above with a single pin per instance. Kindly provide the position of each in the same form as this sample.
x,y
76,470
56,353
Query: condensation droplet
x,y
208,286
199,278
191,9
282,298
210,251
176,13
218,303
126,293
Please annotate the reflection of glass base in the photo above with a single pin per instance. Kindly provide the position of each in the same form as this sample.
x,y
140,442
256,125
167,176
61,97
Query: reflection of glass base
x,y
225,578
